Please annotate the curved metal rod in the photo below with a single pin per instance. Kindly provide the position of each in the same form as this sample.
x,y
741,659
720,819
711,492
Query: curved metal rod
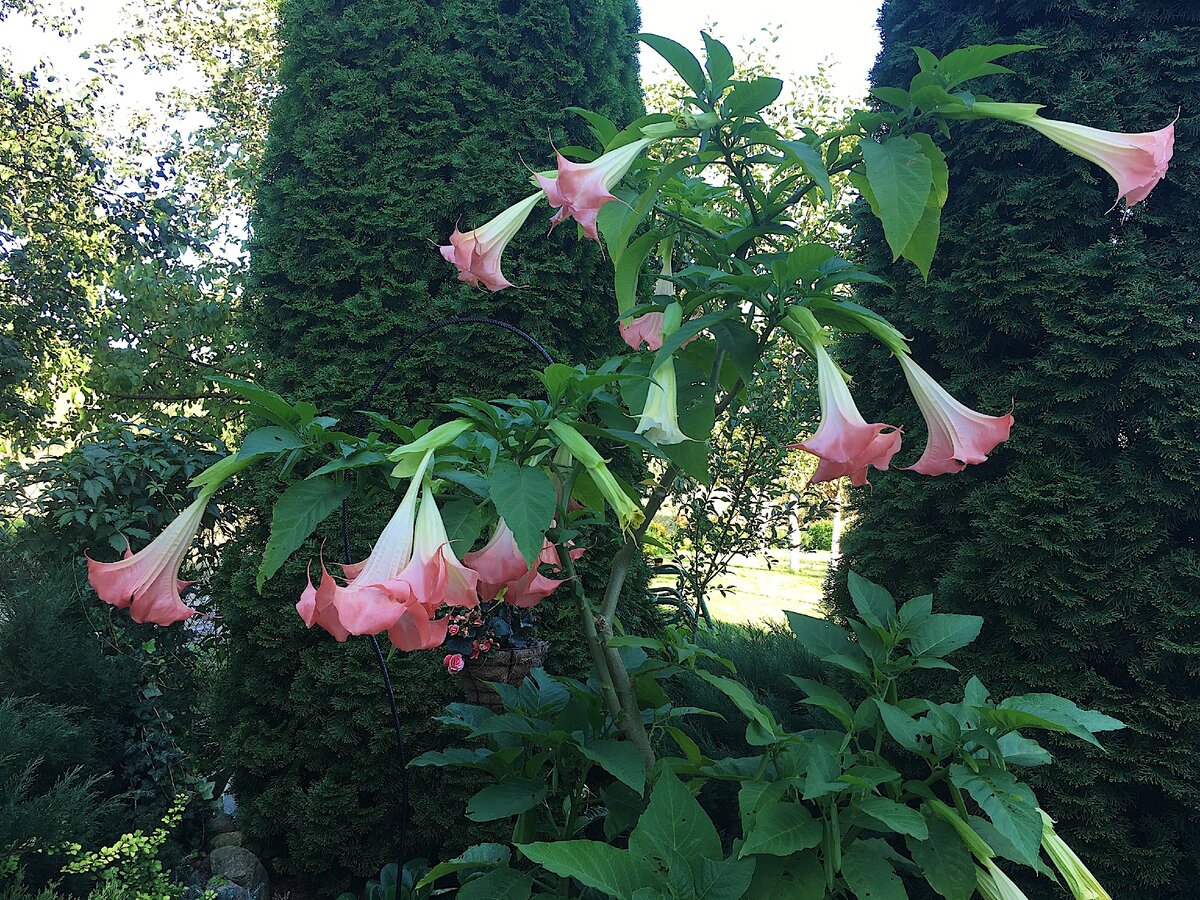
x,y
401,741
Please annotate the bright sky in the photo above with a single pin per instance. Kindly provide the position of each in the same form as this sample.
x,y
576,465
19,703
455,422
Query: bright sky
x,y
809,30
843,32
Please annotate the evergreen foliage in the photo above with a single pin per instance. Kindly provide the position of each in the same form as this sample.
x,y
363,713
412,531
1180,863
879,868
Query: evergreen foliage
x,y
396,119
1077,541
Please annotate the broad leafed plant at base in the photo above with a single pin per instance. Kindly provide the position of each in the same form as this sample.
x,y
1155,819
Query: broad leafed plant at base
x,y
528,471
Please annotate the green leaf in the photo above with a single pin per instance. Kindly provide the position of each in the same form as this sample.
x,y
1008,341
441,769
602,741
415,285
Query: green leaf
x,y
820,637
627,270
901,177
1063,713
598,866
797,878
508,798
298,511
674,822
809,159
748,97
463,523
943,633
945,861
740,343
270,404
601,126
874,603
356,460
762,729
501,884
478,856
679,58
900,725
972,62
271,439
721,879
826,698
1010,804
719,62
621,759
896,816
781,829
916,611
869,874
1018,750
526,498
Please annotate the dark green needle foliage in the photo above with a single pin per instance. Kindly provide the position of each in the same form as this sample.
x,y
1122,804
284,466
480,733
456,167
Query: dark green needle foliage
x,y
1077,541
397,119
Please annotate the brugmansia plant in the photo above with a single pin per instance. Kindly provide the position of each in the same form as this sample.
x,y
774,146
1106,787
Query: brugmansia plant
x,y
697,209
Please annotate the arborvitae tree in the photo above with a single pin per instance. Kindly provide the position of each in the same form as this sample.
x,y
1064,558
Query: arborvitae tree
x,y
397,119
1077,540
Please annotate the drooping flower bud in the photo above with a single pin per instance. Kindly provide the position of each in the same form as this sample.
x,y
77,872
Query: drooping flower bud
x,y
628,513
1081,882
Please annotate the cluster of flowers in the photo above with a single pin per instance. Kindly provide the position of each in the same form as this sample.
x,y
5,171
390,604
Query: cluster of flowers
x,y
412,573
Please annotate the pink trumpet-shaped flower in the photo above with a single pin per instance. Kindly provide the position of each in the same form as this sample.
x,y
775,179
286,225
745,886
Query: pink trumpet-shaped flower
x,y
533,587
845,443
433,574
147,582
476,254
581,189
958,436
365,605
416,629
498,562
1137,162
646,329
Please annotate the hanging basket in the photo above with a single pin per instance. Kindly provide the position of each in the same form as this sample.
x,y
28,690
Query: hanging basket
x,y
509,666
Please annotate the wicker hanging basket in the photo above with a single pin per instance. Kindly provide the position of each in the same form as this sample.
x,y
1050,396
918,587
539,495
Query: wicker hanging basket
x,y
509,666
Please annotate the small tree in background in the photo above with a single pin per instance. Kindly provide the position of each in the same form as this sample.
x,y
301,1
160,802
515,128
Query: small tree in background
x,y
1077,542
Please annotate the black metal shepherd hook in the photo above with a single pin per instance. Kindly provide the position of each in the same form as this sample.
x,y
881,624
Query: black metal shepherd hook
x,y
401,742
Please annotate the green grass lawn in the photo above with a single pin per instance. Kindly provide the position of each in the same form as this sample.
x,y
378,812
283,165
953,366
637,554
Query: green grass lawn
x,y
757,593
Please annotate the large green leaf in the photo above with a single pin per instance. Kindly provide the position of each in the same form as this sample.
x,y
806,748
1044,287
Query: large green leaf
x,y
597,865
298,511
719,61
1010,804
674,822
943,633
748,97
820,637
896,816
680,59
869,874
901,177
271,439
508,798
900,725
721,879
463,523
873,602
945,861
525,497
500,884
826,698
797,878
1063,713
762,729
781,829
477,856
621,759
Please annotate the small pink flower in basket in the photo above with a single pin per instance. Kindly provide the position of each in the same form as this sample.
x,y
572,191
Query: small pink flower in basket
x,y
454,663
453,629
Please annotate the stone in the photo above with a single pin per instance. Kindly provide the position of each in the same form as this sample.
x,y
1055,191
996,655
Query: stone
x,y
227,839
220,823
241,867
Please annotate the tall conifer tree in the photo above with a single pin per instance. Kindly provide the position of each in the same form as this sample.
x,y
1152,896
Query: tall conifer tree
x,y
1077,541
398,118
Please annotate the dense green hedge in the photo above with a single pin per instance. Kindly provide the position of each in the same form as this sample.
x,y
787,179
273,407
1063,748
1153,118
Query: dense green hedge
x,y
396,120
1078,540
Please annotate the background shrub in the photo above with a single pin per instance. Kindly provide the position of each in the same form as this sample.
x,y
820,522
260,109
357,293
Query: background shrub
x,y
1078,540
